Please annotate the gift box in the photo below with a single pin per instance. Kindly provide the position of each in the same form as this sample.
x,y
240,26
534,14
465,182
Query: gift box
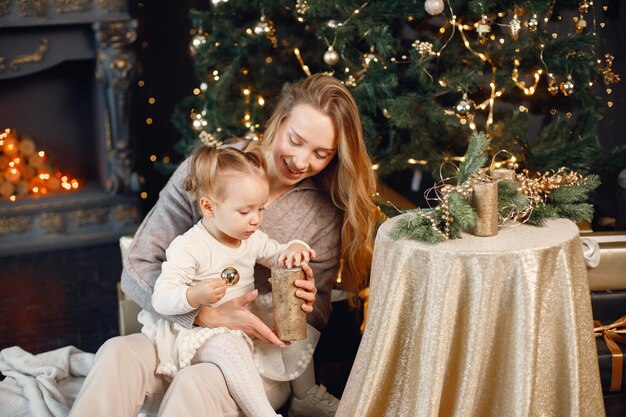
x,y
610,342
606,306
610,248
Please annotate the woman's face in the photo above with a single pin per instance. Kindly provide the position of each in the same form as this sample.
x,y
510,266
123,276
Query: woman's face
x,y
305,144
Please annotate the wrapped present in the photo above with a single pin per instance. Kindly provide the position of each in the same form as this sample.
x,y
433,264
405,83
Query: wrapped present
x,y
610,356
605,254
606,305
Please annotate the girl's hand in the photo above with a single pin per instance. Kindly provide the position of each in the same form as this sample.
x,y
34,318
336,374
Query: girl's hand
x,y
295,255
207,291
306,288
234,315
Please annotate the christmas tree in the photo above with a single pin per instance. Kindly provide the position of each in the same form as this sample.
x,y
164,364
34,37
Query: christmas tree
x,y
424,74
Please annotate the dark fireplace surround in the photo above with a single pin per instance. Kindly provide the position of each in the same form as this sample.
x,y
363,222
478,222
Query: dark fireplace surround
x,y
66,68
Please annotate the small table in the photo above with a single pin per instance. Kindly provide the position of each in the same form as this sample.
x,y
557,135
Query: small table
x,y
478,326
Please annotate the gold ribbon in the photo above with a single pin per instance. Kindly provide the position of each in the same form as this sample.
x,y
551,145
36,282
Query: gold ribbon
x,y
611,334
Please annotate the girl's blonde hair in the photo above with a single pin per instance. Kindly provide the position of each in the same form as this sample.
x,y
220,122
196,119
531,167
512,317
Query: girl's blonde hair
x,y
348,179
211,170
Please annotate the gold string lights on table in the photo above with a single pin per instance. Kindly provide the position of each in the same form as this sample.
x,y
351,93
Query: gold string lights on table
x,y
26,171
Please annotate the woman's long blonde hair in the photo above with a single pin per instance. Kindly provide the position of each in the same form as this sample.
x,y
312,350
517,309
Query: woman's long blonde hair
x,y
348,179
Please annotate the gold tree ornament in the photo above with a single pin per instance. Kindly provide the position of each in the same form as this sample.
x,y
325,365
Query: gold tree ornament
x,y
609,76
368,58
434,7
533,23
483,28
580,23
584,6
567,86
553,87
515,27
302,7
463,109
331,57
423,48
196,42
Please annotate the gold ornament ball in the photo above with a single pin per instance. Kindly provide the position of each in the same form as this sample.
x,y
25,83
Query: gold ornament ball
x,y
196,42
584,7
567,87
463,108
331,57
434,7
533,23
231,275
261,27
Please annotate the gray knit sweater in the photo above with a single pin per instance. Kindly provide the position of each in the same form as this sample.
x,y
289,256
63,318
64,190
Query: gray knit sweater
x,y
305,212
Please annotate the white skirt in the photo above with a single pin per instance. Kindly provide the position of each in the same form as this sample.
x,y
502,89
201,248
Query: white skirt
x,y
176,345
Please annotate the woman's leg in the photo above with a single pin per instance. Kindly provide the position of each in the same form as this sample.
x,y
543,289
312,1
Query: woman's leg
x,y
232,354
199,390
122,375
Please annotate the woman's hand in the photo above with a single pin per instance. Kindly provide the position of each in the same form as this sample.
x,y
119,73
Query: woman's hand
x,y
234,315
306,288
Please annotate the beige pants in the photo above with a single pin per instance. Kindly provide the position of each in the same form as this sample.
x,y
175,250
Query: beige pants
x,y
123,374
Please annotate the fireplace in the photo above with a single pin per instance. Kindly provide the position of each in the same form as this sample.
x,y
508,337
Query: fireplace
x,y
66,69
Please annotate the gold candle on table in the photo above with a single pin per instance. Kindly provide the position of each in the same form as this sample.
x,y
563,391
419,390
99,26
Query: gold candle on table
x,y
503,174
289,319
485,202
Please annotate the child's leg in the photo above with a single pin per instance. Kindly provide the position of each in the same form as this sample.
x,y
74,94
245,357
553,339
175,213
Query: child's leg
x,y
233,356
309,399
302,384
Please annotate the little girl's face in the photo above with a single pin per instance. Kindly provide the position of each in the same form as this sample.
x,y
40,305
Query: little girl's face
x,y
240,213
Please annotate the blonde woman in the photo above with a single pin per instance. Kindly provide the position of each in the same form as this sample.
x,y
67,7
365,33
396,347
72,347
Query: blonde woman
x,y
321,185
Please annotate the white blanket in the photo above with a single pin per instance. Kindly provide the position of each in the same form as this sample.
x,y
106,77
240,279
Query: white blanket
x,y
43,385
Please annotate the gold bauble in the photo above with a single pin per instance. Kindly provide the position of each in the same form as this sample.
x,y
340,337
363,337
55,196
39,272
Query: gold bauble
x,y
231,275
434,7
533,23
463,108
584,6
567,87
197,41
261,27
331,57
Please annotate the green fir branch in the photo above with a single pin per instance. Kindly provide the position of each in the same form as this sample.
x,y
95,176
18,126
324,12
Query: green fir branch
x,y
475,157
414,226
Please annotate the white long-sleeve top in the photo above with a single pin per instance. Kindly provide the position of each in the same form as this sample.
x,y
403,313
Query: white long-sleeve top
x,y
196,255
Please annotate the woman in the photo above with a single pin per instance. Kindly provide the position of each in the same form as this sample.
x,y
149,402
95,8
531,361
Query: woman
x,y
321,185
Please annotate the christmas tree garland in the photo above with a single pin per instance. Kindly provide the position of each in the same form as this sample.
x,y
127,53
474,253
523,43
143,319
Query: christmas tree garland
x,y
533,200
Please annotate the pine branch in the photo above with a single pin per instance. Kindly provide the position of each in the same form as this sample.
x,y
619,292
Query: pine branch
x,y
475,157
415,226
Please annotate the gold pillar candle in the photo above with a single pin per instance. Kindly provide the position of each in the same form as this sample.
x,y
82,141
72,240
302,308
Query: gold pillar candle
x,y
289,318
503,174
485,202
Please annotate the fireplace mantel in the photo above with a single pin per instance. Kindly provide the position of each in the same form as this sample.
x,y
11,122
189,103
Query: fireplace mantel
x,y
37,36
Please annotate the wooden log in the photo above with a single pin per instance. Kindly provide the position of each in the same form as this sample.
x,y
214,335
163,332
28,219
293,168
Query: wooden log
x,y
289,319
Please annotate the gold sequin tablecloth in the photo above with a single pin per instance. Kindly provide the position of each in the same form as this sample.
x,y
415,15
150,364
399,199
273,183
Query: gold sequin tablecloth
x,y
478,326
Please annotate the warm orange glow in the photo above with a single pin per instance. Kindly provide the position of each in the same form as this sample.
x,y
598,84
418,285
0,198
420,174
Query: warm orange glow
x,y
27,170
